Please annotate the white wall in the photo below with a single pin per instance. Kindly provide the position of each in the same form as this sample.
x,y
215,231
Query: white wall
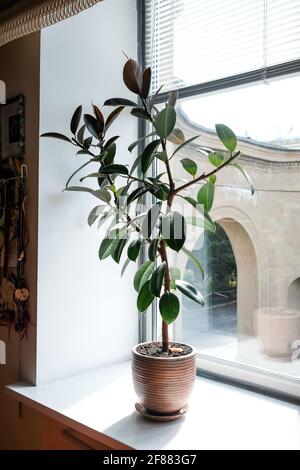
x,y
86,313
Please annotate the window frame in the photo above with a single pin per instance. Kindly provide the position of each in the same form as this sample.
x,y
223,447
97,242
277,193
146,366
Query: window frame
x,y
235,374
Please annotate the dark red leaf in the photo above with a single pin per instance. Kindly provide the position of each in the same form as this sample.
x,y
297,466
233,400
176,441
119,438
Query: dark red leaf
x,y
146,83
133,76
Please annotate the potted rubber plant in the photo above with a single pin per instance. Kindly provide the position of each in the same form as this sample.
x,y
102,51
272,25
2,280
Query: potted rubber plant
x,y
163,371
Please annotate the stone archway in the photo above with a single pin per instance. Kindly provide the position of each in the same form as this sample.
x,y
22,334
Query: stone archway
x,y
247,274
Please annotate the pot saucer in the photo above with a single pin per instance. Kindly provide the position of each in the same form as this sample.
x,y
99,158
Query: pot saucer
x,y
160,417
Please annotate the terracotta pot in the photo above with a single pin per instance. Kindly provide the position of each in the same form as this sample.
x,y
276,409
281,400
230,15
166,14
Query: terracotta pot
x,y
163,384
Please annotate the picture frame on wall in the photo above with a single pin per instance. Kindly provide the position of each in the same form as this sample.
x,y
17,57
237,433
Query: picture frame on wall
x,y
12,129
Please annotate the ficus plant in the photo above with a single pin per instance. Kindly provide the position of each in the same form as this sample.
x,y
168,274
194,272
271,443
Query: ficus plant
x,y
121,188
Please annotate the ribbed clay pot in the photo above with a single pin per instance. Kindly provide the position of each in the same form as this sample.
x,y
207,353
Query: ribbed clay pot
x,y
163,384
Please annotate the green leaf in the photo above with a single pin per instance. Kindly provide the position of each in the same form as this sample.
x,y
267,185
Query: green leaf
x,y
134,249
145,298
117,248
190,291
195,261
169,307
226,136
173,230
92,125
133,76
162,156
205,196
152,251
140,113
184,144
104,219
112,116
142,275
111,169
216,158
157,278
150,220
57,135
102,194
125,266
105,248
212,179
176,137
165,122
189,165
110,154
208,223
136,142
148,155
246,176
119,102
94,214
137,193
80,134
111,141
76,120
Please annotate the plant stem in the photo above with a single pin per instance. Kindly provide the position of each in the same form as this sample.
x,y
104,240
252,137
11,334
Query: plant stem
x,y
167,287
207,175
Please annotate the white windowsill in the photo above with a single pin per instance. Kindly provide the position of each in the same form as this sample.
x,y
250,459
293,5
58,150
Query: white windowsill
x,y
220,416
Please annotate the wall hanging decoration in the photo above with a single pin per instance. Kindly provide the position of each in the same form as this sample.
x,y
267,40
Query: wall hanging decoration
x,y
14,293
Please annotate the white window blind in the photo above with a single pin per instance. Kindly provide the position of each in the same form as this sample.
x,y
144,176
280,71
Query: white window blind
x,y
196,41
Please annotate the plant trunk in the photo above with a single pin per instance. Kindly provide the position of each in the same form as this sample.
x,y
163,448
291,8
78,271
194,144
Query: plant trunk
x,y
167,286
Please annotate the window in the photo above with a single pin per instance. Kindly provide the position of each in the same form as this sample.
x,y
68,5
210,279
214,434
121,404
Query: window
x,y
232,63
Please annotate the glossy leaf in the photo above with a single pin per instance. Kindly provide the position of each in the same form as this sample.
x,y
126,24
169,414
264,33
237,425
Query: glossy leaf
x,y
80,134
150,220
105,248
146,83
205,195
140,113
145,298
111,141
208,223
148,155
190,291
246,176
117,249
110,169
57,135
137,142
190,166
152,250
216,158
137,193
125,265
134,249
157,279
112,116
173,230
194,260
169,307
165,122
94,214
91,125
143,274
99,118
226,136
76,120
133,76
119,102
110,154
184,144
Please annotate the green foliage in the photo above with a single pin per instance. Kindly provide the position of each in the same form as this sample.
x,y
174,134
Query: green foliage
x,y
160,228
